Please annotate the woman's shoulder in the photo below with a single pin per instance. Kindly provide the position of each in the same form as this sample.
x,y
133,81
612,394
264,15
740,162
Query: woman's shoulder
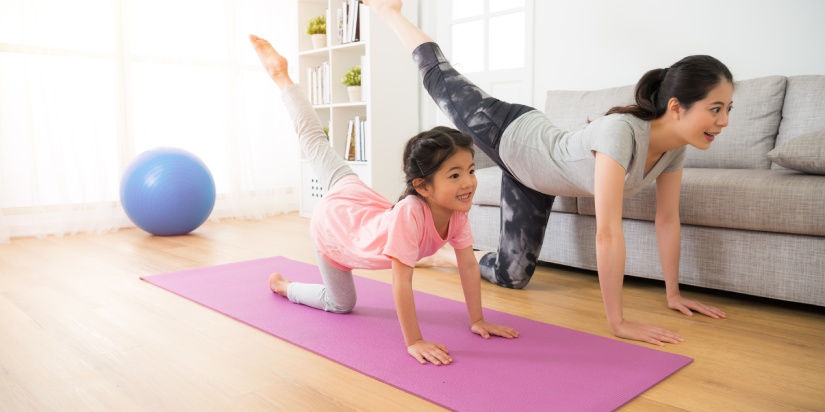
x,y
621,124
622,119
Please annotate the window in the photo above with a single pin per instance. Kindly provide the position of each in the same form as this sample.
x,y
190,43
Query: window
x,y
86,85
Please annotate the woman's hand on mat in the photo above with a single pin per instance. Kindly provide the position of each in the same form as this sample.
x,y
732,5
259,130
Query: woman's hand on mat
x,y
485,329
435,353
629,329
686,305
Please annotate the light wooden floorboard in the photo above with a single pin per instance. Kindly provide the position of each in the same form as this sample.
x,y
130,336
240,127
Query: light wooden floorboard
x,y
79,331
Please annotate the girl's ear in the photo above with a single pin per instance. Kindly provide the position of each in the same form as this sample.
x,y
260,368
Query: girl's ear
x,y
674,108
421,186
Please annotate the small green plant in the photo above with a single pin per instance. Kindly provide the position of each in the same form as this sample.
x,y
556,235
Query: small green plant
x,y
352,77
317,25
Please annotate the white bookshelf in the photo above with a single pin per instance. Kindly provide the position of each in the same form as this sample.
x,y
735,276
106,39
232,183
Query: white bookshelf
x,y
389,94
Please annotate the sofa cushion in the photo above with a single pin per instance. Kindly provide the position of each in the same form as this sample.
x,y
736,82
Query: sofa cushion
x,y
488,192
572,110
804,154
752,128
803,109
768,200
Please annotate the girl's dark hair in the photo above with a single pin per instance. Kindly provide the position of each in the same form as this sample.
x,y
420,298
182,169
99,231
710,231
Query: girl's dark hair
x,y
427,151
688,80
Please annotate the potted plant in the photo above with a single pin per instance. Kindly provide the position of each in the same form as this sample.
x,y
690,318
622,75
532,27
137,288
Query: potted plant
x,y
317,29
352,79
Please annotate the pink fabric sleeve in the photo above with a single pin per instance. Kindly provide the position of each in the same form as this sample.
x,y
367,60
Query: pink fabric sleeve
x,y
463,234
404,233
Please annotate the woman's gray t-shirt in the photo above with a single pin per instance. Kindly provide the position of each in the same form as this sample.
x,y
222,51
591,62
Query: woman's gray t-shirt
x,y
561,163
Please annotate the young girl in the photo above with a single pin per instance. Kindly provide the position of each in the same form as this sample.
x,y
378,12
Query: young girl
x,y
614,156
354,227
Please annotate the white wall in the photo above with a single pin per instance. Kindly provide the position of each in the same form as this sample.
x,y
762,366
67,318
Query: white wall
x,y
592,44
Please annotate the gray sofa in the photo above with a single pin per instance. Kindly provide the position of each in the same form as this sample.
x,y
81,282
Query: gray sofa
x,y
749,225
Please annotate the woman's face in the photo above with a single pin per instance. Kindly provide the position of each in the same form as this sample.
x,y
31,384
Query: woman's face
x,y
700,124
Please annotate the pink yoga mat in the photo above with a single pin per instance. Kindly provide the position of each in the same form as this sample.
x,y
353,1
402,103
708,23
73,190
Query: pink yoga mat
x,y
548,368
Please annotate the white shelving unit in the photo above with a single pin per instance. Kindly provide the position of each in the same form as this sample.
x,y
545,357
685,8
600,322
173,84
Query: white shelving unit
x,y
389,94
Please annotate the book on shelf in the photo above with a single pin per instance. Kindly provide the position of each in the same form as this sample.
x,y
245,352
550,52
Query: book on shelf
x,y
349,148
358,136
349,21
355,148
319,84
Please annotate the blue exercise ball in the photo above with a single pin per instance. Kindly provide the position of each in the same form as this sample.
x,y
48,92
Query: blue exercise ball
x,y
167,191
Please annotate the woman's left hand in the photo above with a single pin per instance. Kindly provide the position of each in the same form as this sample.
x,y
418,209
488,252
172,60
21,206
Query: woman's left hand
x,y
686,305
485,329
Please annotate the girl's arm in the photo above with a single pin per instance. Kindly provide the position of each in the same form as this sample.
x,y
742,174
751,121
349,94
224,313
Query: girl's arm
x,y
611,254
417,347
471,284
668,236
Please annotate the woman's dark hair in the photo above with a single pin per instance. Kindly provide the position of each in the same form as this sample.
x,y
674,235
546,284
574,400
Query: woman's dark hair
x,y
427,151
688,80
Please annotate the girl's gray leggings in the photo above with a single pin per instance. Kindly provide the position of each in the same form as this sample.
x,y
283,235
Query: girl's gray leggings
x,y
337,293
524,211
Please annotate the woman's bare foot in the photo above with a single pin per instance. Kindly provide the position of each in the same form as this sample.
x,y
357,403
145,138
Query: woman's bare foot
x,y
275,64
278,284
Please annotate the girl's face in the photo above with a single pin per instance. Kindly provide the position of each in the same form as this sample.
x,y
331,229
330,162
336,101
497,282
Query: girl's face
x,y
453,185
700,124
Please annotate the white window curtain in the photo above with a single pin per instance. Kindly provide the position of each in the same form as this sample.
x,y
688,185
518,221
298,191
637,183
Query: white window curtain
x,y
87,85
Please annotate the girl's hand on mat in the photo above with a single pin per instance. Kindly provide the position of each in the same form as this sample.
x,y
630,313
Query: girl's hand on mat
x,y
629,329
685,305
435,353
485,329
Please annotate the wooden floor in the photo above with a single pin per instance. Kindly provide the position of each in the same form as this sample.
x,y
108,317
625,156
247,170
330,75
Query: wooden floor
x,y
80,332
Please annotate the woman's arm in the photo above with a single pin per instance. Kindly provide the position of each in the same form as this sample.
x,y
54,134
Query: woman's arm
x,y
390,12
468,270
668,237
669,228
417,347
611,254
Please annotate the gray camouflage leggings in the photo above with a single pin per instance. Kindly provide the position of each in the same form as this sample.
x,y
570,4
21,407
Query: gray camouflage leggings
x,y
524,211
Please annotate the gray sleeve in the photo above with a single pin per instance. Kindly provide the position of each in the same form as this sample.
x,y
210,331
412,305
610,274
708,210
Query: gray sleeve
x,y
614,137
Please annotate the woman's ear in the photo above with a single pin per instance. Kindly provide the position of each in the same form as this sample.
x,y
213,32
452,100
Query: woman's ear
x,y
674,108
421,186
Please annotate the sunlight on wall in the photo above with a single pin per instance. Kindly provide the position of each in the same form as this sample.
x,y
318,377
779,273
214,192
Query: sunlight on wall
x,y
86,85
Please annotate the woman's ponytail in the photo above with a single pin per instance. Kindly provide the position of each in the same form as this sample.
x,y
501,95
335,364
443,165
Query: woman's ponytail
x,y
646,92
688,80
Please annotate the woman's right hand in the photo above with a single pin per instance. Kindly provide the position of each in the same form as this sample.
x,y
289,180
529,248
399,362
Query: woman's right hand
x,y
629,329
435,353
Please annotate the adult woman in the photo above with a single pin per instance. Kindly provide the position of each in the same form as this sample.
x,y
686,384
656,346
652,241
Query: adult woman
x,y
614,156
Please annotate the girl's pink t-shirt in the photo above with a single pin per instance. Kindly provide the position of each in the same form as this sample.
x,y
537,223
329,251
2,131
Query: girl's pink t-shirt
x,y
354,227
